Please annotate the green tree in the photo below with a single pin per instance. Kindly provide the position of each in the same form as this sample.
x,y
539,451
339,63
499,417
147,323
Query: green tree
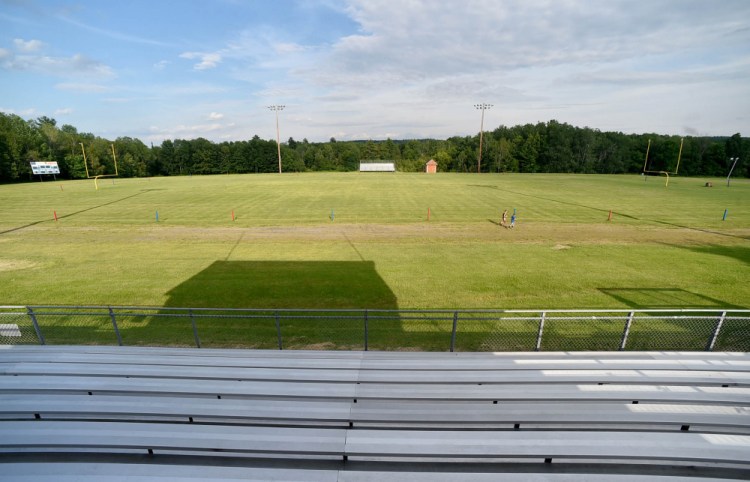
x,y
167,163
390,150
506,161
183,157
205,157
715,160
557,155
527,151
541,147
371,151
17,139
138,157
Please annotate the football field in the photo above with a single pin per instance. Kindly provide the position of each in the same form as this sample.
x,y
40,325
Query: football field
x,y
377,240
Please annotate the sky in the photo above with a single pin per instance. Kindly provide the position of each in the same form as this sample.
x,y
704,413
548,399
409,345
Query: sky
x,y
375,69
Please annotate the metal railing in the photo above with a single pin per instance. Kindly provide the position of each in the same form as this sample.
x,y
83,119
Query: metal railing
x,y
337,329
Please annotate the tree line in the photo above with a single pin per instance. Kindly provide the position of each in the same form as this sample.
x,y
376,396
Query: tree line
x,y
542,147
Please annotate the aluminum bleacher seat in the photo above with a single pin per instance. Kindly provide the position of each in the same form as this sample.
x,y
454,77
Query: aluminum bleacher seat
x,y
67,413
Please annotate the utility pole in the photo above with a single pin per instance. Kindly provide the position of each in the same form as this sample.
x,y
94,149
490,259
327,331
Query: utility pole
x,y
735,159
483,107
277,108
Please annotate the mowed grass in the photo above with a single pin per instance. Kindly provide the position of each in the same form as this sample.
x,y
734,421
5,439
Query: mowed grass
x,y
375,198
353,240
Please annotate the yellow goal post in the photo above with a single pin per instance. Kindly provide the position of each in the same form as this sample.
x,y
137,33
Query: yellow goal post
x,y
96,178
666,173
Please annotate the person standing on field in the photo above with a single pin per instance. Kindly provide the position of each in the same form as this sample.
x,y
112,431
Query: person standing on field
x,y
513,220
505,218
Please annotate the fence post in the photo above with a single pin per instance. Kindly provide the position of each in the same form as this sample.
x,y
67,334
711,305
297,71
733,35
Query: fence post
x,y
195,329
541,330
453,332
114,324
715,335
278,329
366,330
626,332
39,335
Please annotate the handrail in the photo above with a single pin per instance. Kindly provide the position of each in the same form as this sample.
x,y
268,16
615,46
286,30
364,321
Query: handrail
x,y
449,311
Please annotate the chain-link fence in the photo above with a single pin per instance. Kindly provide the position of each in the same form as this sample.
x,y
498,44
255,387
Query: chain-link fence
x,y
16,327
674,333
422,330
495,331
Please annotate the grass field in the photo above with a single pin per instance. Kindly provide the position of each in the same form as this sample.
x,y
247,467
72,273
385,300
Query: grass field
x,y
664,248
283,250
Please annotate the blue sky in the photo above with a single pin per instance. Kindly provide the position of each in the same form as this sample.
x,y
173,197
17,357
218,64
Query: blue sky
x,y
372,69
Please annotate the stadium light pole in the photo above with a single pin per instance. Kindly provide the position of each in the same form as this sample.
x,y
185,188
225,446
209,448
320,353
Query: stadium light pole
x,y
277,108
483,107
735,159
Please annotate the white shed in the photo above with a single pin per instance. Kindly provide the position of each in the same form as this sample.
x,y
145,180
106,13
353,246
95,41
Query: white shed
x,y
377,167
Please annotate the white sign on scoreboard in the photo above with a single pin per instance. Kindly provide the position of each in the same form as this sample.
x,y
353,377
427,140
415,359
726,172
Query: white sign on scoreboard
x,y
45,168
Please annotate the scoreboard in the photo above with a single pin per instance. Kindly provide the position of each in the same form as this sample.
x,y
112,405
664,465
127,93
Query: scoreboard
x,y
45,168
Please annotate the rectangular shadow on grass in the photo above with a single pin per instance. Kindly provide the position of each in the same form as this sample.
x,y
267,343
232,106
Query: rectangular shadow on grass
x,y
316,304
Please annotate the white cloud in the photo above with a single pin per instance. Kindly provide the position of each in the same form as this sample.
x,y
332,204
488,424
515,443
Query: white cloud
x,y
184,131
265,53
420,70
416,70
428,40
114,34
75,65
207,60
161,65
27,46
189,89
65,111
82,87
30,112
288,48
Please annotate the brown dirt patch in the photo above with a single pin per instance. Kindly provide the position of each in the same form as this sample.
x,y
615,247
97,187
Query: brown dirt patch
x,y
560,234
15,264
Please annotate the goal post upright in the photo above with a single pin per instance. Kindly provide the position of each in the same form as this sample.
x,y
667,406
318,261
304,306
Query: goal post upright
x,y
85,164
679,156
114,157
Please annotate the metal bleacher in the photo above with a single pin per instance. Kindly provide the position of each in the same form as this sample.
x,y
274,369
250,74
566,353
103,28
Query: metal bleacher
x,y
136,413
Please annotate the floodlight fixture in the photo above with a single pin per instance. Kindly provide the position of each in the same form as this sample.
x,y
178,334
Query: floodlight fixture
x,y
276,108
483,107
